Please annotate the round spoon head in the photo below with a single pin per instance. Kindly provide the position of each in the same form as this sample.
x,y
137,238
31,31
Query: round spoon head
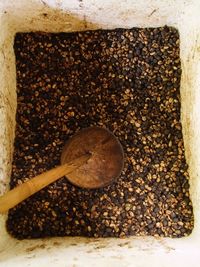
x,y
106,161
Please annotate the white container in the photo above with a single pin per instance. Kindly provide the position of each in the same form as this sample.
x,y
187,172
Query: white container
x,y
72,15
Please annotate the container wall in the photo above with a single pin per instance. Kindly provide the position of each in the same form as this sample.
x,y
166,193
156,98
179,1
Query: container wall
x,y
50,15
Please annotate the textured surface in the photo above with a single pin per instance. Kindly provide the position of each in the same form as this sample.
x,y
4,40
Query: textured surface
x,y
48,15
127,81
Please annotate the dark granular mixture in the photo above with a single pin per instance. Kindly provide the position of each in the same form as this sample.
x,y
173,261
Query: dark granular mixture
x,y
127,81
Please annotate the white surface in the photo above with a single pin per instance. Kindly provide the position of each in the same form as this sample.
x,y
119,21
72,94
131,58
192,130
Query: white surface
x,y
71,15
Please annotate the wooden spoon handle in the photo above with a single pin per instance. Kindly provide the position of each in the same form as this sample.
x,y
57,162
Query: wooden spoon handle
x,y
25,190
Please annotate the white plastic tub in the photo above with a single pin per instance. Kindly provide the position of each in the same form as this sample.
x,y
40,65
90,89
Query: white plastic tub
x,y
72,15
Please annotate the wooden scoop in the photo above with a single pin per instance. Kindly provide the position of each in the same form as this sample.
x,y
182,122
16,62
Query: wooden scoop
x,y
106,161
92,158
25,190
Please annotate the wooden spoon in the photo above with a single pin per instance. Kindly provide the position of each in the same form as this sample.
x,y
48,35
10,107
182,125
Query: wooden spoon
x,y
106,161
90,159
30,187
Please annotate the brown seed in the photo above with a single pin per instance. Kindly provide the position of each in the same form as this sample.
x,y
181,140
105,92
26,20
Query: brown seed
x,y
68,81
